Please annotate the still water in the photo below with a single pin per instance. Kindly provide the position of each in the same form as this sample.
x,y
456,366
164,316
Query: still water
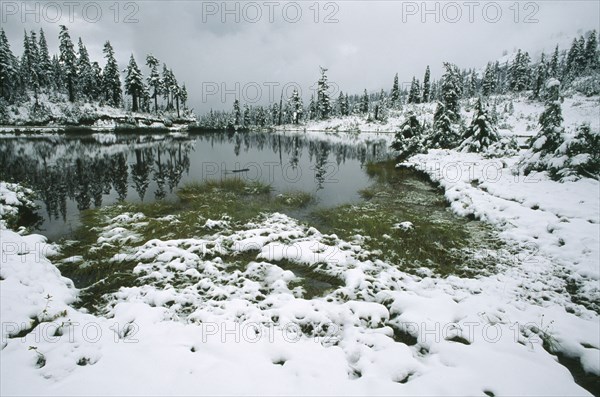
x,y
76,172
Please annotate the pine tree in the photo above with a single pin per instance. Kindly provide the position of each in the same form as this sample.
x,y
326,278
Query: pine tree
x,y
45,64
395,93
443,135
184,96
98,81
427,86
8,69
553,70
312,108
68,61
342,105
111,77
296,106
87,79
488,86
237,113
323,101
364,103
134,83
409,139
414,95
247,120
58,78
154,80
481,133
451,91
549,137
591,52
540,77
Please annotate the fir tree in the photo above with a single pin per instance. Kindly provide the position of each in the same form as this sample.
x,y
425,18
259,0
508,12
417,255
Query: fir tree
x,y
426,86
540,78
154,80
481,133
550,136
134,83
247,120
296,106
184,96
45,64
409,139
111,77
553,66
364,103
68,61
323,101
414,95
488,86
341,102
8,69
87,78
451,91
591,51
237,113
395,93
443,135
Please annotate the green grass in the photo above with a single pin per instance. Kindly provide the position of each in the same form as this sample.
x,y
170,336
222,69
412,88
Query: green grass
x,y
439,240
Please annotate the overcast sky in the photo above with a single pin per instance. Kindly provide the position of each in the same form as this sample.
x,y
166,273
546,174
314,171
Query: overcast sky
x,y
362,43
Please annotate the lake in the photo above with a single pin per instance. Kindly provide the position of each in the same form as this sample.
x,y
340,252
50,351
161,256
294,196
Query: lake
x,y
76,172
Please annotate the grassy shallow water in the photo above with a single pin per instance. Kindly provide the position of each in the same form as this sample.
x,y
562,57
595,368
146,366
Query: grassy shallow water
x,y
438,240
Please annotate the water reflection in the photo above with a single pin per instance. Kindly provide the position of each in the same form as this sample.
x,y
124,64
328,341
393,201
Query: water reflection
x,y
82,173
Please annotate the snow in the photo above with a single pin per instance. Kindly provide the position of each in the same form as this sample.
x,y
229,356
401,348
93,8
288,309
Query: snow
x,y
194,324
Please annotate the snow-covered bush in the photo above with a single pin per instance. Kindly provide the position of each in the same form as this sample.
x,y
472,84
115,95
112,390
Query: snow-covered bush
x,y
14,201
588,85
409,139
481,133
578,156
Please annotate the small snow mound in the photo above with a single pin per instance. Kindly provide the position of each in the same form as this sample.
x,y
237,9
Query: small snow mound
x,y
405,226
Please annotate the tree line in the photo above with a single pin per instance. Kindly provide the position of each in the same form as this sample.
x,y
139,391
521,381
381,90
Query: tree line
x,y
72,74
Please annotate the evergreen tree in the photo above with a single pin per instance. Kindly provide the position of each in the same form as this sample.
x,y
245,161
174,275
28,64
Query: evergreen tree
x,y
443,135
409,139
540,78
296,106
184,96
237,113
45,64
168,84
154,80
414,95
549,138
591,51
341,102
111,77
364,103
98,81
247,119
87,77
481,133
323,101
8,69
427,86
347,104
519,72
68,61
312,108
451,91
553,66
488,87
395,93
134,83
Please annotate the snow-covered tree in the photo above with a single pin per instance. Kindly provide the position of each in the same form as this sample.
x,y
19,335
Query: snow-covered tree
x,y
541,73
488,86
8,69
443,134
44,62
481,133
395,93
323,100
111,77
591,51
68,61
553,67
134,83
86,75
184,96
409,139
451,90
427,86
414,95
154,80
296,107
237,113
364,103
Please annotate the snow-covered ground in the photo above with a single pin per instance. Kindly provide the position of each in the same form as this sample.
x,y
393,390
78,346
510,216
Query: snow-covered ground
x,y
193,325
57,114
